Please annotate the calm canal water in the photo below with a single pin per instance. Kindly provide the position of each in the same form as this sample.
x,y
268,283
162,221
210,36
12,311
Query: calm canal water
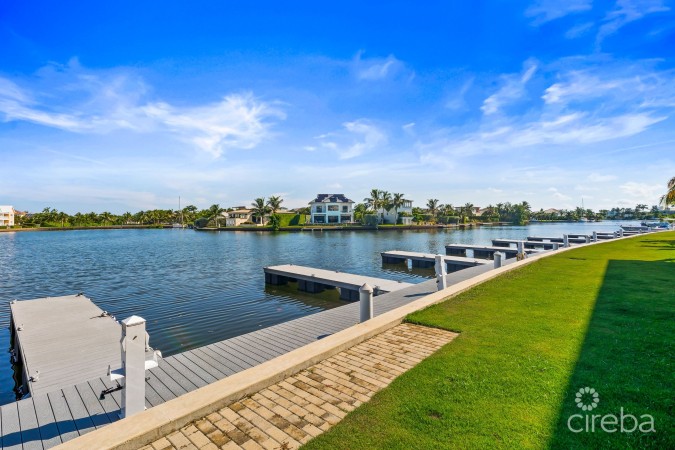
x,y
195,288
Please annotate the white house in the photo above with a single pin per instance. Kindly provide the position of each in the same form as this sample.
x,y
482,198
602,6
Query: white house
x,y
238,217
332,208
6,216
390,216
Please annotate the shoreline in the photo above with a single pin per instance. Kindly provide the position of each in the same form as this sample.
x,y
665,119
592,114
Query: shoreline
x,y
264,229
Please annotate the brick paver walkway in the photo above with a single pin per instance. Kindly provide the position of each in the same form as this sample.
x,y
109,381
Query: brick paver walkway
x,y
293,411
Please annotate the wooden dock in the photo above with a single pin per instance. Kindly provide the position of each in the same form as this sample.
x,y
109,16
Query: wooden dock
x,y
482,251
62,341
428,260
559,240
46,420
526,244
314,280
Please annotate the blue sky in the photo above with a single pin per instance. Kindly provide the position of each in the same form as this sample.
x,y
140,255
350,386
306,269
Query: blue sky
x,y
127,105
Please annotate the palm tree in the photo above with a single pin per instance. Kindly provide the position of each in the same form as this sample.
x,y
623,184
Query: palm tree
x,y
62,217
432,206
397,200
126,217
214,213
468,210
274,204
260,208
374,201
105,217
669,197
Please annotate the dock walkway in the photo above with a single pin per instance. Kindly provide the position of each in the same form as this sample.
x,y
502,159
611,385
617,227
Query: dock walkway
x,y
46,420
427,260
482,251
62,341
315,280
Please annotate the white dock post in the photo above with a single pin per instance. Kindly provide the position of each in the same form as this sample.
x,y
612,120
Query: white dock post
x,y
441,272
595,236
133,365
366,302
588,239
555,246
566,241
621,232
521,247
499,258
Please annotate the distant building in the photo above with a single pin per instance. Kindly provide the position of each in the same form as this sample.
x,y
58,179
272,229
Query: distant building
x,y
331,208
390,216
6,216
238,217
552,211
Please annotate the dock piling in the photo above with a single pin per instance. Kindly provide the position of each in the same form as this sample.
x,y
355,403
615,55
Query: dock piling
x,y
441,272
133,366
566,240
595,236
365,302
499,257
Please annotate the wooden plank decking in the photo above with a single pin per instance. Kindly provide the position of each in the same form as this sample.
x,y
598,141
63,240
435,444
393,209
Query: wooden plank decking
x,y
333,278
45,420
428,259
66,339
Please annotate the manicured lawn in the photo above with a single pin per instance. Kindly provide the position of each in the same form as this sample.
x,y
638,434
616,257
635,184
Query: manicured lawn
x,y
601,316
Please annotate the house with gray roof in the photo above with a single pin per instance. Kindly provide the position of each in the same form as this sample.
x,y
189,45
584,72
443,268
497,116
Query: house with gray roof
x,y
332,209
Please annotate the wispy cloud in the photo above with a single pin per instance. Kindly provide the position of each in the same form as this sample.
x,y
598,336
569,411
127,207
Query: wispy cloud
x,y
372,69
635,191
83,101
354,139
625,12
559,196
543,11
513,88
599,178
579,30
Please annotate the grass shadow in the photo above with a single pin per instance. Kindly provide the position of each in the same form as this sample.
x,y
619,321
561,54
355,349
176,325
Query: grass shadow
x,y
627,357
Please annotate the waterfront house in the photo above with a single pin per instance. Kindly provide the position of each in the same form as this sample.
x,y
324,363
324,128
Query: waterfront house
x,y
6,216
331,208
552,212
238,217
390,216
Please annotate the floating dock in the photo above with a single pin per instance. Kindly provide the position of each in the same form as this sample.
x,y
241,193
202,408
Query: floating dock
x,y
427,260
317,280
482,251
62,341
526,244
572,240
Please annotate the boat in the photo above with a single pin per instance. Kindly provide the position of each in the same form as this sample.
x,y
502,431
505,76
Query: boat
x,y
179,224
583,218
664,225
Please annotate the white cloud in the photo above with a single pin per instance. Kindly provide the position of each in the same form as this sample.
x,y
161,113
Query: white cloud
x,y
556,194
513,88
543,11
76,100
642,192
627,11
575,128
373,69
599,178
355,139
579,30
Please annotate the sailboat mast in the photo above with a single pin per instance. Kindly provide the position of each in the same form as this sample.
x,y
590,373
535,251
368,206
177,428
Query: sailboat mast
x,y
181,212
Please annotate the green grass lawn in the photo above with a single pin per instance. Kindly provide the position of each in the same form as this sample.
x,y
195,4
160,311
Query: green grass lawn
x,y
601,316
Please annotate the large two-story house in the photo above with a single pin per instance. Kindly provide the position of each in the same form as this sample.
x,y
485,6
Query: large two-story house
x,y
6,216
331,208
